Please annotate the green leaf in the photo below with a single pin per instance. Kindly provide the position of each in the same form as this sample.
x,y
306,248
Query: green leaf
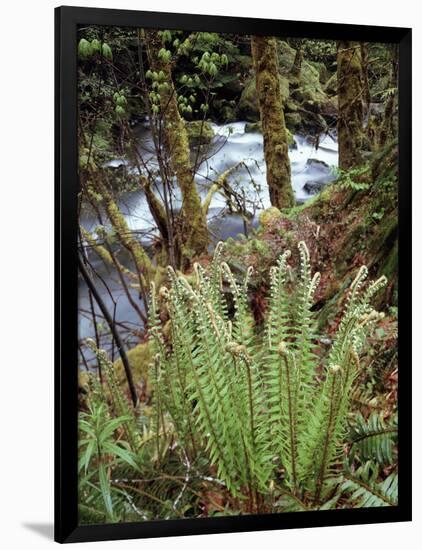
x,y
106,51
84,48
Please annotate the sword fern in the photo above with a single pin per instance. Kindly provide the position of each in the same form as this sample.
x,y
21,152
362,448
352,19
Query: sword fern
x,y
256,402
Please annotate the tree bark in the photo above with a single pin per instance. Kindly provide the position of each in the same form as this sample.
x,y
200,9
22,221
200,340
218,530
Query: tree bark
x,y
350,102
142,262
296,69
193,232
387,127
265,61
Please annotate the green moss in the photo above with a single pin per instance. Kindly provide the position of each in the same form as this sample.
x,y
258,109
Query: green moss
x,y
139,357
253,127
269,217
331,85
248,103
350,93
286,55
269,92
293,122
199,132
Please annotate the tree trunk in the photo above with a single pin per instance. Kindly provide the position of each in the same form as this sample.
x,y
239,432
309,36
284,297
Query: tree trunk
x,y
296,69
350,103
387,127
142,262
265,61
366,90
193,233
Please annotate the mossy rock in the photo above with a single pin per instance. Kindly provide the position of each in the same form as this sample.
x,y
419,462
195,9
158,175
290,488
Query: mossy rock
x,y
293,122
330,86
256,127
139,357
199,132
248,102
286,56
269,217
310,84
291,140
248,107
227,113
253,128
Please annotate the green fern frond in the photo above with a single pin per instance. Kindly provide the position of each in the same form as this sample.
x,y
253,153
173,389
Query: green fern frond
x,y
253,400
373,439
366,492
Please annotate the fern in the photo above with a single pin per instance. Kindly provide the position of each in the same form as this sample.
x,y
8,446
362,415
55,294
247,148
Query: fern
x,y
256,400
265,412
365,491
373,439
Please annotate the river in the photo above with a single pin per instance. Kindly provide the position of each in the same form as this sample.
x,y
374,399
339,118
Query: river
x,y
311,167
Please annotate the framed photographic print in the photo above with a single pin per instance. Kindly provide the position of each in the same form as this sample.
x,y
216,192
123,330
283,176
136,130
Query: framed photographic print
x,y
232,274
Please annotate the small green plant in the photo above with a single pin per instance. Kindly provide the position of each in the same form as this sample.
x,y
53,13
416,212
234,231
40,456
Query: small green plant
x,y
99,454
353,179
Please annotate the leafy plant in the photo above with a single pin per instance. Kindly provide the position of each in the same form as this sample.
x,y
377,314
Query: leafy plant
x,y
365,491
354,179
261,413
260,402
373,438
99,454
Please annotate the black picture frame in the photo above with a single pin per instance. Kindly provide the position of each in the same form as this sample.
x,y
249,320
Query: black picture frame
x,y
66,188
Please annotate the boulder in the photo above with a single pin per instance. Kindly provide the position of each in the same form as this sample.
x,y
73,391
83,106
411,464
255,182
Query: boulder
x,y
314,187
270,216
318,165
139,357
293,122
248,108
199,132
253,128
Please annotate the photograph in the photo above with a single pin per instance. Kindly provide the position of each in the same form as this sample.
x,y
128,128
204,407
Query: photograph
x,y
237,257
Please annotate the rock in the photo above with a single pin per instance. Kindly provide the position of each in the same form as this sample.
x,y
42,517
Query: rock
x,y
270,216
329,108
318,165
248,108
199,132
330,87
293,122
228,113
248,103
286,56
253,128
314,187
139,357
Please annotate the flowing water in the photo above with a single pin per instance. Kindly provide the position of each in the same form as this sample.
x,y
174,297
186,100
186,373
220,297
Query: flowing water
x,y
311,167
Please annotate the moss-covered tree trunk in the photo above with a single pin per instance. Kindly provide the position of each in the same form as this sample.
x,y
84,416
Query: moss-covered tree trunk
x,y
387,126
351,92
193,234
296,69
265,61
141,260
366,89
